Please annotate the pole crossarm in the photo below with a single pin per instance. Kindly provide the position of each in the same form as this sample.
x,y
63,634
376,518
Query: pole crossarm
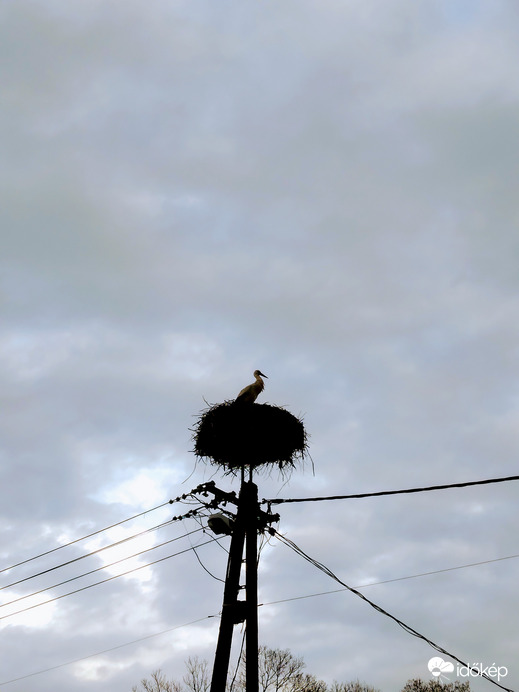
x,y
222,498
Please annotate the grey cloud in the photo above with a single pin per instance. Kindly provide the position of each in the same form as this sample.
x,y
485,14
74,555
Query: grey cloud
x,y
324,191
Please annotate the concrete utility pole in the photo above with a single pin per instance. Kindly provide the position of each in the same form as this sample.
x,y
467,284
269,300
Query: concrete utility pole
x,y
251,586
249,520
231,610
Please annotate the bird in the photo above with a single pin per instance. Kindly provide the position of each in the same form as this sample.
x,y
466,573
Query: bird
x,y
250,393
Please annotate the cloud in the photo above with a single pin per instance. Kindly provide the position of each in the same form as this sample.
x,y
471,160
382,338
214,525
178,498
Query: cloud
x,y
321,190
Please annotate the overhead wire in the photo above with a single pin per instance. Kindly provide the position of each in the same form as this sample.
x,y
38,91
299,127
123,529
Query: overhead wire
x,y
390,581
83,538
93,552
106,651
237,668
278,501
200,561
197,518
99,569
277,535
103,581
284,600
264,501
403,625
180,498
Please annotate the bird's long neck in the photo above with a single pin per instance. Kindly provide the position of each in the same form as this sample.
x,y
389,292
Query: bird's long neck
x,y
259,380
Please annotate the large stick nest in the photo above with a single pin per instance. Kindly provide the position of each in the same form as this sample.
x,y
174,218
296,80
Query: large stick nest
x,y
235,435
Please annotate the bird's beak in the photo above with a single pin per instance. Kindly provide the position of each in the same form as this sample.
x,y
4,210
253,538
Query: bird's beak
x,y
263,375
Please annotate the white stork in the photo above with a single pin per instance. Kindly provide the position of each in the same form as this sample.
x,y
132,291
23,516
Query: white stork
x,y
250,393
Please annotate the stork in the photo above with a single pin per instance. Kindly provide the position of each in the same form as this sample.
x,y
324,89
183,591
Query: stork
x,y
250,393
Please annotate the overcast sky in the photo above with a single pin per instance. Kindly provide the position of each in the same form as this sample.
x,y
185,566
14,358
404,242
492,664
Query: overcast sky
x,y
325,190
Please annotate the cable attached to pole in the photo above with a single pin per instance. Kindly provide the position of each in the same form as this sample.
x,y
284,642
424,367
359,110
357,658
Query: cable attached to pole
x,y
405,627
279,501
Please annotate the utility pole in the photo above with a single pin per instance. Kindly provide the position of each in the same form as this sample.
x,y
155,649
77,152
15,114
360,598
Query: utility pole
x,y
230,607
250,489
248,521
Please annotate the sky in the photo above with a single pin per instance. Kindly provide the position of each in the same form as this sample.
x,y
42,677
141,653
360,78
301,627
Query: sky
x,y
322,190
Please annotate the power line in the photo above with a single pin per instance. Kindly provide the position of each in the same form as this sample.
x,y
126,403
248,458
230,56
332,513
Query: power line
x,y
231,686
264,501
197,519
106,528
284,600
289,543
103,581
278,501
93,552
99,569
406,628
77,540
390,581
200,561
106,651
